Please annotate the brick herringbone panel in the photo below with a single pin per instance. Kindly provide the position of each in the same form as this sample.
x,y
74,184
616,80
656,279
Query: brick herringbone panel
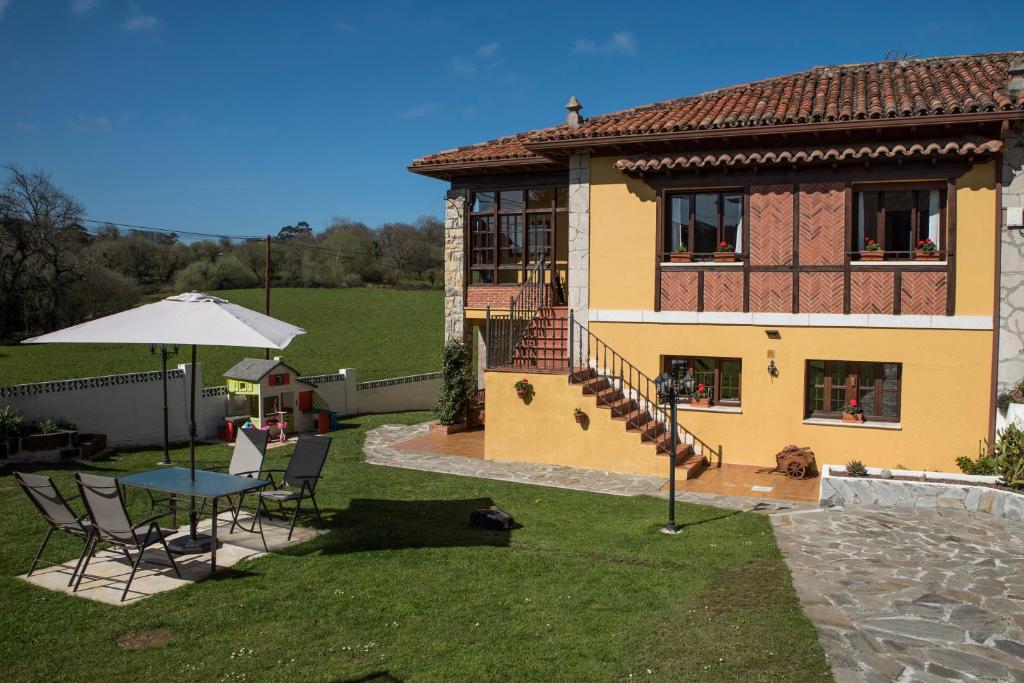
x,y
723,291
678,290
771,292
923,294
822,224
821,292
495,296
771,225
871,292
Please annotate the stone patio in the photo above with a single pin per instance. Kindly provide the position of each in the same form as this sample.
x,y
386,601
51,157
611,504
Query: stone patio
x,y
910,594
108,570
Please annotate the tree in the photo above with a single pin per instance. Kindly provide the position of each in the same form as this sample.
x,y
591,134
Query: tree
x,y
41,240
290,231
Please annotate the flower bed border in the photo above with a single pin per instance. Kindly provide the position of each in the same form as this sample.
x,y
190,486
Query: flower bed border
x,y
969,495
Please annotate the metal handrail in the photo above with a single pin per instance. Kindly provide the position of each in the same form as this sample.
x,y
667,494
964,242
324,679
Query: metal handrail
x,y
588,351
505,332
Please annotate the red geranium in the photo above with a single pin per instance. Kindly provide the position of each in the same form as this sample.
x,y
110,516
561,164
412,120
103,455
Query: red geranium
x,y
853,402
723,243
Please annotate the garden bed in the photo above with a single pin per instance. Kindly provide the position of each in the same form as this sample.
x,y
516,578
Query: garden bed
x,y
914,488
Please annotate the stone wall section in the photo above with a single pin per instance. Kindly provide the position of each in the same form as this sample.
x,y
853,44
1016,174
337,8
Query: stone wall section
x,y
454,265
579,236
1011,267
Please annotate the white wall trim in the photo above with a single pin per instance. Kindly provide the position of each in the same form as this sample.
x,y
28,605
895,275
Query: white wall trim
x,y
926,322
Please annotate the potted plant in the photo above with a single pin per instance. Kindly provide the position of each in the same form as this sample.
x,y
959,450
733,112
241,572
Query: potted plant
x,y
702,397
580,416
926,250
474,410
872,251
11,427
680,255
725,252
523,388
852,412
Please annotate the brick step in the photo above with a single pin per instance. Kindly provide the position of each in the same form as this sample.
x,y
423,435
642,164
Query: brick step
x,y
557,312
545,343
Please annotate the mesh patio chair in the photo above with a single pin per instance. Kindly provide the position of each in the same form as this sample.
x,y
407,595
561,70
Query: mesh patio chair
x,y
303,473
246,459
58,514
111,524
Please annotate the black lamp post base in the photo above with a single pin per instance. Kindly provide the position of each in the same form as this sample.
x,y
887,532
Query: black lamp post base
x,y
187,545
165,464
671,530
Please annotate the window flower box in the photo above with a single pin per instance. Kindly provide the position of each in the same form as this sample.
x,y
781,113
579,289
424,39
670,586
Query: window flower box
x,y
852,412
701,402
702,397
920,255
872,256
726,256
680,257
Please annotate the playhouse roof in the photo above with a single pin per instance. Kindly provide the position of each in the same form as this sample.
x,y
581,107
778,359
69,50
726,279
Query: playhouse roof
x,y
254,369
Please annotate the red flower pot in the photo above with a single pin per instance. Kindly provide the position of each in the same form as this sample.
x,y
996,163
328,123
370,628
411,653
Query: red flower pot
x,y
680,257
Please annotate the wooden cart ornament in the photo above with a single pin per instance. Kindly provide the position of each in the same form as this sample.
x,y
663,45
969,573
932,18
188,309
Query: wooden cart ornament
x,y
796,462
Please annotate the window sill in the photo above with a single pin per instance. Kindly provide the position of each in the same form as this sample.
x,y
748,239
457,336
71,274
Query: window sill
x,y
702,264
906,263
735,410
891,426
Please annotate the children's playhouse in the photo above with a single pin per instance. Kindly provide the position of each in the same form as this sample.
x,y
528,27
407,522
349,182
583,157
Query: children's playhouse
x,y
277,400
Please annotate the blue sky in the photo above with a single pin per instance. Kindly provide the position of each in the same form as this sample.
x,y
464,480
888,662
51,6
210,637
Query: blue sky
x,y
241,117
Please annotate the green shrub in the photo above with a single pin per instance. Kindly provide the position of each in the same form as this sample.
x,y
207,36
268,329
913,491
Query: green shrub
x,y
855,468
65,423
1008,455
984,464
11,422
451,405
47,427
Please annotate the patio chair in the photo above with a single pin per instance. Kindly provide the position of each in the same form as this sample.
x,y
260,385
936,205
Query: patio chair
x,y
111,524
303,473
58,514
246,459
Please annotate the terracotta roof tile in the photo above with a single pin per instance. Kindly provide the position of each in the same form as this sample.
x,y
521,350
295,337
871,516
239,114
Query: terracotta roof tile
x,y
925,87
964,146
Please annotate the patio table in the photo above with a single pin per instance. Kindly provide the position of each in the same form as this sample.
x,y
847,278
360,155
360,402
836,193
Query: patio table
x,y
178,481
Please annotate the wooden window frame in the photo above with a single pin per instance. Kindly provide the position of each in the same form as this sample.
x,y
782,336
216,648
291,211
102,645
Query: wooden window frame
x,y
717,386
851,385
666,228
880,189
524,214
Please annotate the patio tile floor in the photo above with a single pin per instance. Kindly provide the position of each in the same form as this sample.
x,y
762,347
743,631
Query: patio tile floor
x,y
108,570
740,480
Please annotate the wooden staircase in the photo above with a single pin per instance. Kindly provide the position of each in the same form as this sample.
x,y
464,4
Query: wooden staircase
x,y
636,418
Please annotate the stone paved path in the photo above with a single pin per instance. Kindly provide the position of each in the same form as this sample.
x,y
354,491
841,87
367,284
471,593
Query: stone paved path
x,y
908,594
378,450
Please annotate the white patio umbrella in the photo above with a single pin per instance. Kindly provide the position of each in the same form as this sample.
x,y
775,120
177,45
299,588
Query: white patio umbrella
x,y
186,319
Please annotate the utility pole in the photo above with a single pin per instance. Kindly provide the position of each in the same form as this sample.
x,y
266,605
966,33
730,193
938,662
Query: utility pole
x,y
266,290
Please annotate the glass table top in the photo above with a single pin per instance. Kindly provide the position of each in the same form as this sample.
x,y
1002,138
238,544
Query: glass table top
x,y
206,484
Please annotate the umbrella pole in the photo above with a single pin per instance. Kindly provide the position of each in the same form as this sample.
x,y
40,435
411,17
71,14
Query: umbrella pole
x,y
193,542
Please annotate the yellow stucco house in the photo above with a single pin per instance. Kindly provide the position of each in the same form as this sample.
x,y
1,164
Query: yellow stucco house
x,y
814,259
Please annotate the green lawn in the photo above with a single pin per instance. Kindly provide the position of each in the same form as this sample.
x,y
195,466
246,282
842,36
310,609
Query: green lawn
x,y
344,328
401,589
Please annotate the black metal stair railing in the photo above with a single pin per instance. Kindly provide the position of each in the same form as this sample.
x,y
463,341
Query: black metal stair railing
x,y
639,399
504,332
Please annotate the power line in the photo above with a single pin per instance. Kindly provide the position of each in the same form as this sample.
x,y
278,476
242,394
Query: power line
x,y
147,228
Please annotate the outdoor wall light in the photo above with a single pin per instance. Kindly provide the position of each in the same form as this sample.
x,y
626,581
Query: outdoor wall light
x,y
773,334
773,370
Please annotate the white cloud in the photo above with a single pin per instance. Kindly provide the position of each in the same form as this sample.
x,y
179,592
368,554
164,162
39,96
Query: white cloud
x,y
621,42
343,27
140,22
25,125
82,6
488,50
462,66
83,122
417,111
3,6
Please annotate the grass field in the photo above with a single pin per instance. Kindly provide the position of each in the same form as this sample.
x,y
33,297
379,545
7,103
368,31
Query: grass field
x,y
344,328
402,589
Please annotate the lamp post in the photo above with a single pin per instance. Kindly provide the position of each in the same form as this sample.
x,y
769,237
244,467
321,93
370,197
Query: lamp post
x,y
164,352
671,528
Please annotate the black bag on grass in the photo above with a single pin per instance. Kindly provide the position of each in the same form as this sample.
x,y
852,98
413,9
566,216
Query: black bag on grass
x,y
492,519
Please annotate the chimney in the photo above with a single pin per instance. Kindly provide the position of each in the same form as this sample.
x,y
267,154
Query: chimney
x,y
1015,86
573,118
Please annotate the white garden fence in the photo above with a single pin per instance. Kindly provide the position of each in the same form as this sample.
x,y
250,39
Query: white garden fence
x,y
128,408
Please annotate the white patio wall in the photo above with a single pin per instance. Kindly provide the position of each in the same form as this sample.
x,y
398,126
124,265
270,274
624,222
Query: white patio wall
x,y
128,408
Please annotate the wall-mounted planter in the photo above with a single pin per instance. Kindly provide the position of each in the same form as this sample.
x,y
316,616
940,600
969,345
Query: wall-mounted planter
x,y
872,256
680,257
726,256
922,255
853,417
52,441
580,417
957,491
